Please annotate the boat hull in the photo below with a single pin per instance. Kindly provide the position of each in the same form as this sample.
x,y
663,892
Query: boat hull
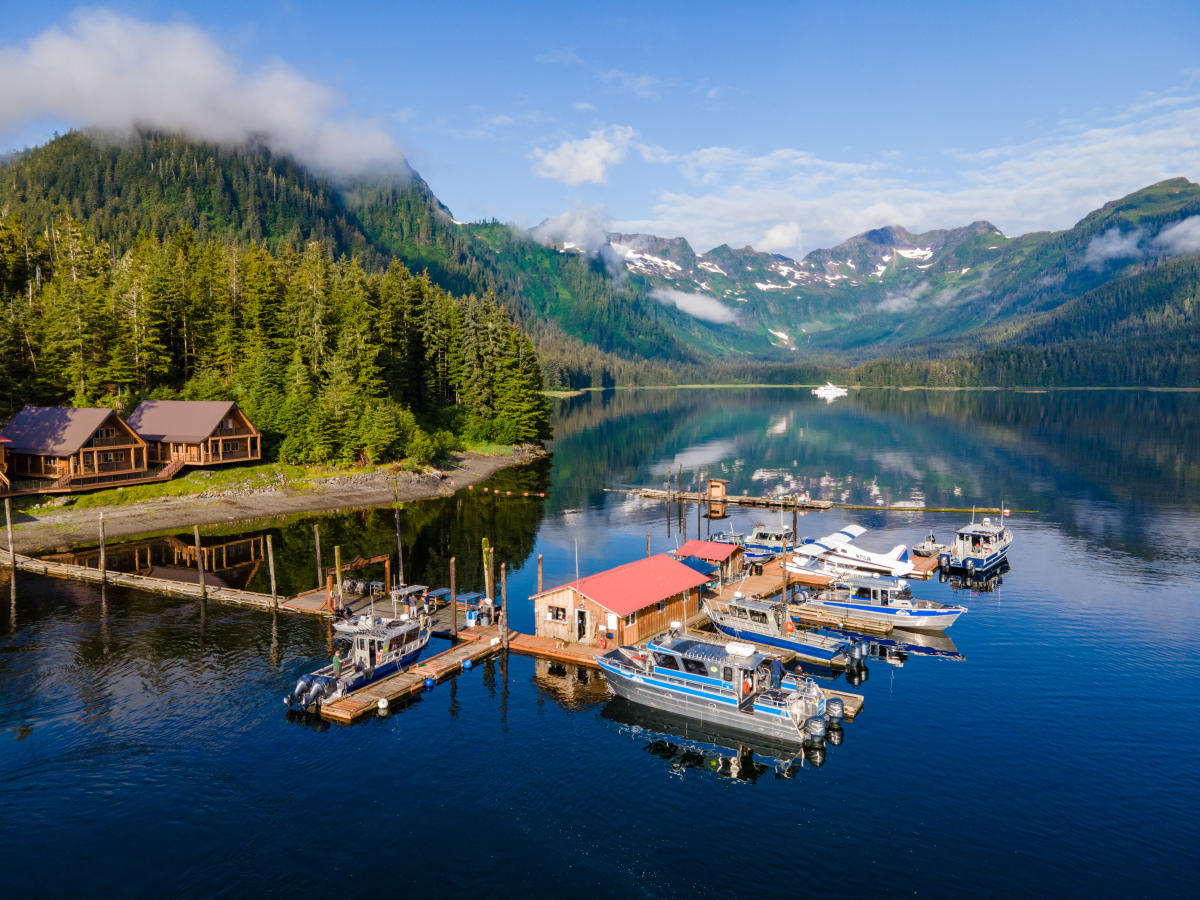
x,y
916,619
975,564
834,656
711,709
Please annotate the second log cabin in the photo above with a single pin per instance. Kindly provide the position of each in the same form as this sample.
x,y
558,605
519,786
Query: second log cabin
x,y
196,432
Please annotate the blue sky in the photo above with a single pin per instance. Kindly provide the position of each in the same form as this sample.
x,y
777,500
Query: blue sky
x,y
786,126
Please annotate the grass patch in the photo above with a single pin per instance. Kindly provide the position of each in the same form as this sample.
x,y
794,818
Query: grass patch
x,y
491,449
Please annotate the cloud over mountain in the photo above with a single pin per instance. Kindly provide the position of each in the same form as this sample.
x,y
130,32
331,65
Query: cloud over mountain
x,y
586,159
118,73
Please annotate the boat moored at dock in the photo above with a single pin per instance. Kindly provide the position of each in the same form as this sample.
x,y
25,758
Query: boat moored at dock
x,y
885,600
836,552
377,648
767,622
732,685
977,547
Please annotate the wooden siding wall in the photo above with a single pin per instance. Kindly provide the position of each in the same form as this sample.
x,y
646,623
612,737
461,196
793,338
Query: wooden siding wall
x,y
650,621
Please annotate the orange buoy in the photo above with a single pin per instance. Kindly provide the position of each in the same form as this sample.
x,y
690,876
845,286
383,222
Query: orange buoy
x,y
790,626
746,685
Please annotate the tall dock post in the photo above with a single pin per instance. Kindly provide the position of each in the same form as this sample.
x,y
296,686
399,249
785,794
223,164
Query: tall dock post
x,y
647,545
271,566
453,605
12,556
503,619
200,563
491,563
539,573
320,568
399,547
103,557
337,565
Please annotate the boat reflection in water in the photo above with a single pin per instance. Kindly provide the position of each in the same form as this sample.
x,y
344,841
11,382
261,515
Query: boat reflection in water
x,y
900,644
987,582
688,745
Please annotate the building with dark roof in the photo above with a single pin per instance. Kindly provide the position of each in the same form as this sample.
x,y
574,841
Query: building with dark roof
x,y
4,483
196,432
730,557
626,604
72,446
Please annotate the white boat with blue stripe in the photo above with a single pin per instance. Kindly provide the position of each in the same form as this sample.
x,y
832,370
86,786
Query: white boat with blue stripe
x,y
977,547
886,600
767,622
726,684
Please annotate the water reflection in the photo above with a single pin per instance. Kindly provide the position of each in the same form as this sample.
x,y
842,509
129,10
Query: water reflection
x,y
987,582
689,745
570,685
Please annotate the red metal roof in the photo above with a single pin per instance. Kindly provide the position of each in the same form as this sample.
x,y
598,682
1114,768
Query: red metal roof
x,y
639,584
716,551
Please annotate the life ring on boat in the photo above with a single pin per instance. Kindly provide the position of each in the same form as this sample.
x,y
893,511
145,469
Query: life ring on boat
x,y
747,684
790,626
603,643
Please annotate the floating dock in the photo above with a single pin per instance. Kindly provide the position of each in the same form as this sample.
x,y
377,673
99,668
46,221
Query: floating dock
x,y
790,502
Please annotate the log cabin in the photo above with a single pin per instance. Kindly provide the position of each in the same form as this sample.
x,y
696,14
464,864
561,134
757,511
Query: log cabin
x,y
71,446
196,432
627,604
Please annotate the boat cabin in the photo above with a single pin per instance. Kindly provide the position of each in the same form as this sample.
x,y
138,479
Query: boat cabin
x,y
776,538
369,645
884,594
979,537
760,616
624,605
73,446
196,432
724,666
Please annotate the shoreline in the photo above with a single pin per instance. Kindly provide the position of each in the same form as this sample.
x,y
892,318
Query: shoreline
x,y
60,529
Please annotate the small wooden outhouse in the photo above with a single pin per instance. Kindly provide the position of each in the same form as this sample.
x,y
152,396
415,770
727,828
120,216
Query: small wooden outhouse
x,y
624,605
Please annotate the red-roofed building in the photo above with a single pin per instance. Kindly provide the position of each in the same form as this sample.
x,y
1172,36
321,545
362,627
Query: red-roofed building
x,y
730,557
626,604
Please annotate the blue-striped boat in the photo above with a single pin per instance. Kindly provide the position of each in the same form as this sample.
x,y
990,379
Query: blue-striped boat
x,y
766,622
885,600
977,547
725,684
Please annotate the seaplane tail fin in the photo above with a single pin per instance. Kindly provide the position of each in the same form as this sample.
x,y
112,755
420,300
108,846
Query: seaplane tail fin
x,y
845,536
899,552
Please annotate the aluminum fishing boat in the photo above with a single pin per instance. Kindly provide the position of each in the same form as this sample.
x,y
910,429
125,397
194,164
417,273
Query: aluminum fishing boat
x,y
767,622
886,600
977,547
829,392
377,648
731,685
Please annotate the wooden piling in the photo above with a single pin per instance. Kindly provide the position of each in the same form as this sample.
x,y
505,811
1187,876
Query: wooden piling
x,y
502,619
329,593
647,545
320,568
337,574
271,567
795,525
200,564
539,573
12,555
453,604
491,563
103,557
399,546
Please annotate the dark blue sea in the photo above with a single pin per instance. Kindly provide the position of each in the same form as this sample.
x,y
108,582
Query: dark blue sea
x,y
145,750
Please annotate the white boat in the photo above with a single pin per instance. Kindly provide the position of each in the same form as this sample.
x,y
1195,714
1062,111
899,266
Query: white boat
x,y
829,392
835,552
885,600
928,547
977,547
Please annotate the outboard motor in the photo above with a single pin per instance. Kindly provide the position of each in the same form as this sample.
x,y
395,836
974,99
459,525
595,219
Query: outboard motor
x,y
814,730
834,709
296,697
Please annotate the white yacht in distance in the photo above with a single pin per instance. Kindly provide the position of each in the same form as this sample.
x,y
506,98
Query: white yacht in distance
x,y
829,392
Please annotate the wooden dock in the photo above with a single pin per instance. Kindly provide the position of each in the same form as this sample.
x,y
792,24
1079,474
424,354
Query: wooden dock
x,y
164,586
789,502
475,644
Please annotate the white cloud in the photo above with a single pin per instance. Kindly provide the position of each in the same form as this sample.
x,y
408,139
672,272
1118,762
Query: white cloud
x,y
1182,237
583,106
117,73
1113,244
903,301
737,197
645,87
586,159
585,226
702,307
784,237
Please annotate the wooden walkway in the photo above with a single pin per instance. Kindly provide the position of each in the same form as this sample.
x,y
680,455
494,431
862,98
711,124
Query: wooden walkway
x,y
143,583
476,644
792,502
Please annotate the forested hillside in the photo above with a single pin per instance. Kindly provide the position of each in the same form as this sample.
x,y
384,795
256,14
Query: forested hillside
x,y
332,362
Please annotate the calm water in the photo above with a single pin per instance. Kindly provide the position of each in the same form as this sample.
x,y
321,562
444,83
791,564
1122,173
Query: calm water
x,y
144,747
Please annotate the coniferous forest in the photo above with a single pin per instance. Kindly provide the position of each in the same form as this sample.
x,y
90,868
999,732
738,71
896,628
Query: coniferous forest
x,y
332,362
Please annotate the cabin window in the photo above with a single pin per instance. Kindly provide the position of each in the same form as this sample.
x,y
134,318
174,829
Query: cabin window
x,y
556,614
631,618
694,667
106,432
863,593
662,604
727,674
757,615
665,661
230,446
738,611
227,423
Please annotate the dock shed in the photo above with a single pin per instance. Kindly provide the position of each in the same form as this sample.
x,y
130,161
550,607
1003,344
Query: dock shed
x,y
627,604
70,446
730,557
196,432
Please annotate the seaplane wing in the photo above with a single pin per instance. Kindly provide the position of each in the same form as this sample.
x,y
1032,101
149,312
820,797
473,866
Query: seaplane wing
x,y
844,536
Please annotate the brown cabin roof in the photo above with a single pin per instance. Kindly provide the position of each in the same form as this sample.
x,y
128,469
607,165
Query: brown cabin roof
x,y
189,421
53,430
